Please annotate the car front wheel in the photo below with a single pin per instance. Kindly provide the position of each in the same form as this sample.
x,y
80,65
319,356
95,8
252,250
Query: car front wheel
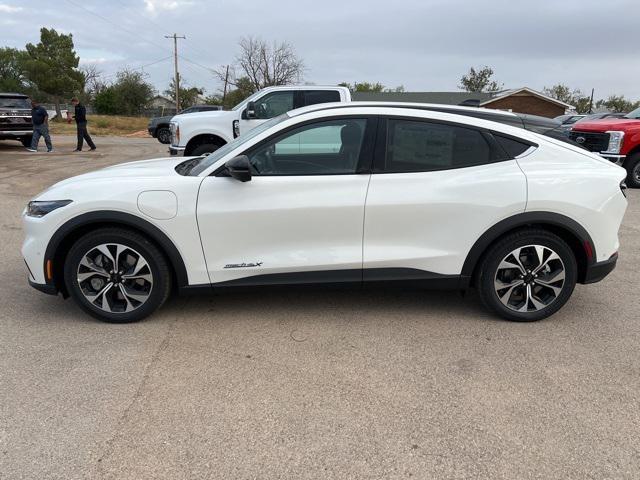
x,y
164,135
527,276
633,170
117,275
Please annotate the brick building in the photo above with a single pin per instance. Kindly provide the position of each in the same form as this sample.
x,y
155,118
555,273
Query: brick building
x,y
520,100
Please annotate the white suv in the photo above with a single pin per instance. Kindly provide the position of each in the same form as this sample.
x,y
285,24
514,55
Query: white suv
x,y
337,193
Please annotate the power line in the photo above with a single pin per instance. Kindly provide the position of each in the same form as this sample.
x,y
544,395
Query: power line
x,y
141,67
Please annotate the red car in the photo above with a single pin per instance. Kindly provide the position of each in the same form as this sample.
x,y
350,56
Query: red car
x,y
617,139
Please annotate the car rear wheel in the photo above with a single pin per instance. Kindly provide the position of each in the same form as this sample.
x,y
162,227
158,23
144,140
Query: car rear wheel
x,y
164,135
26,141
117,275
527,276
633,170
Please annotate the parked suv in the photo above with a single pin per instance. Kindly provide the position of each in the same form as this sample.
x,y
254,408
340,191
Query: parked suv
x,y
342,194
159,126
15,118
201,133
617,139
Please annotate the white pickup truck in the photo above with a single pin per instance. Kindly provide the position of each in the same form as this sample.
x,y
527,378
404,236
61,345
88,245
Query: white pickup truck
x,y
204,132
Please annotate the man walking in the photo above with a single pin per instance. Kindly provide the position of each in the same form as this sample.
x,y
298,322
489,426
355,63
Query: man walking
x,y
40,119
81,122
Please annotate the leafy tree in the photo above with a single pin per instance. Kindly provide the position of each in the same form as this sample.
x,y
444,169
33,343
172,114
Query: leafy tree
x,y
12,77
265,64
479,81
618,103
52,65
128,95
105,101
244,88
188,96
370,87
575,97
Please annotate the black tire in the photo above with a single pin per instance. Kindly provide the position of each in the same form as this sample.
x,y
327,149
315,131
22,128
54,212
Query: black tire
x,y
163,135
488,272
26,141
204,148
632,164
159,288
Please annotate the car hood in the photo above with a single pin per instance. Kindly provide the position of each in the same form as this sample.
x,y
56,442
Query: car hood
x,y
158,167
197,116
605,124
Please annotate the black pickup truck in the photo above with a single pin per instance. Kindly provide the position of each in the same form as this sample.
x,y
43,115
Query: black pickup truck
x,y
15,118
159,126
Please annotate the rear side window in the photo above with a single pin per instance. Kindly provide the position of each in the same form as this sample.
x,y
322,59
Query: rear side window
x,y
312,97
415,146
511,146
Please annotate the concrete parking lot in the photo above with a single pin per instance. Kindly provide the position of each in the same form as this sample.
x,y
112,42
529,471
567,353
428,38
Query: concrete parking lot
x,y
310,384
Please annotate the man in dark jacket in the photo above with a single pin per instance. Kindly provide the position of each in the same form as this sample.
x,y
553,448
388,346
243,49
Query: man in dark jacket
x,y
81,122
40,120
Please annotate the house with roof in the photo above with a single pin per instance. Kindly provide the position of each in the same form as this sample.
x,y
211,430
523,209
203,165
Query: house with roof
x,y
519,100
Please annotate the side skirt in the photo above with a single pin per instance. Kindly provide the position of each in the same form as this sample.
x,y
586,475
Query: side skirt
x,y
373,277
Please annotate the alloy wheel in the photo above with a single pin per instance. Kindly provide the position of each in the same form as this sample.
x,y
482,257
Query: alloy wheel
x,y
114,278
529,278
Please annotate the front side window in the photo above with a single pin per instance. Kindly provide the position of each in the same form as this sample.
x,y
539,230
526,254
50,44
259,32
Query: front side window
x,y
416,146
273,104
322,148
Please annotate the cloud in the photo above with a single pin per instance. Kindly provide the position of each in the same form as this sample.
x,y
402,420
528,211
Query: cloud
x,y
4,8
94,61
155,6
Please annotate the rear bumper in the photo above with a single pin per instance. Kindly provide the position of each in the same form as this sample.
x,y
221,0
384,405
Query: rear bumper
x,y
598,271
15,133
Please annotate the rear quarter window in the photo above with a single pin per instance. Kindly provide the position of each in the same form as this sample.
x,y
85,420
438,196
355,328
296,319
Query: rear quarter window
x,y
512,147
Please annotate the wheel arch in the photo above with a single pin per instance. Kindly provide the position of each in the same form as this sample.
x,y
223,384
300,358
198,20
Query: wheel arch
x,y
202,139
72,230
569,230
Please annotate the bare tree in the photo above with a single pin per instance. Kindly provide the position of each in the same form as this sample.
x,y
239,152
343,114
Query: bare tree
x,y
265,64
93,82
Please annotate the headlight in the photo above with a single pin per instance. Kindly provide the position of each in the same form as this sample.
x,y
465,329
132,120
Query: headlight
x,y
175,133
615,141
41,208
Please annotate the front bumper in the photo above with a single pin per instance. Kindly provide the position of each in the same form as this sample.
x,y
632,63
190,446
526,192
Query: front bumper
x,y
152,131
44,287
599,270
173,150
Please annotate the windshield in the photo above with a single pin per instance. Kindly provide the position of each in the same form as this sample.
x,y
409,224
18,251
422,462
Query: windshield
x,y
16,102
205,162
246,100
634,114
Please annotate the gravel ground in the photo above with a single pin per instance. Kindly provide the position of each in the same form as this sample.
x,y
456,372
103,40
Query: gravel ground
x,y
310,384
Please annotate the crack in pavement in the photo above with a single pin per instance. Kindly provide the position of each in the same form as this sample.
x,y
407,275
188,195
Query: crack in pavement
x,y
123,419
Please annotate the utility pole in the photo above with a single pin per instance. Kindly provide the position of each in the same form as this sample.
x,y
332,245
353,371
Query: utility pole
x,y
591,101
226,81
175,66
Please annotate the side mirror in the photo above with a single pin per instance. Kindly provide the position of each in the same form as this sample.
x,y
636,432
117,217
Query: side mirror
x,y
239,168
251,110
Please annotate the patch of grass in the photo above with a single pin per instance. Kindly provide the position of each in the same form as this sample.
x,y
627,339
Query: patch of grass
x,y
100,125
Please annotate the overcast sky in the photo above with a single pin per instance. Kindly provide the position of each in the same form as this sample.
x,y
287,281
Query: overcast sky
x,y
425,45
